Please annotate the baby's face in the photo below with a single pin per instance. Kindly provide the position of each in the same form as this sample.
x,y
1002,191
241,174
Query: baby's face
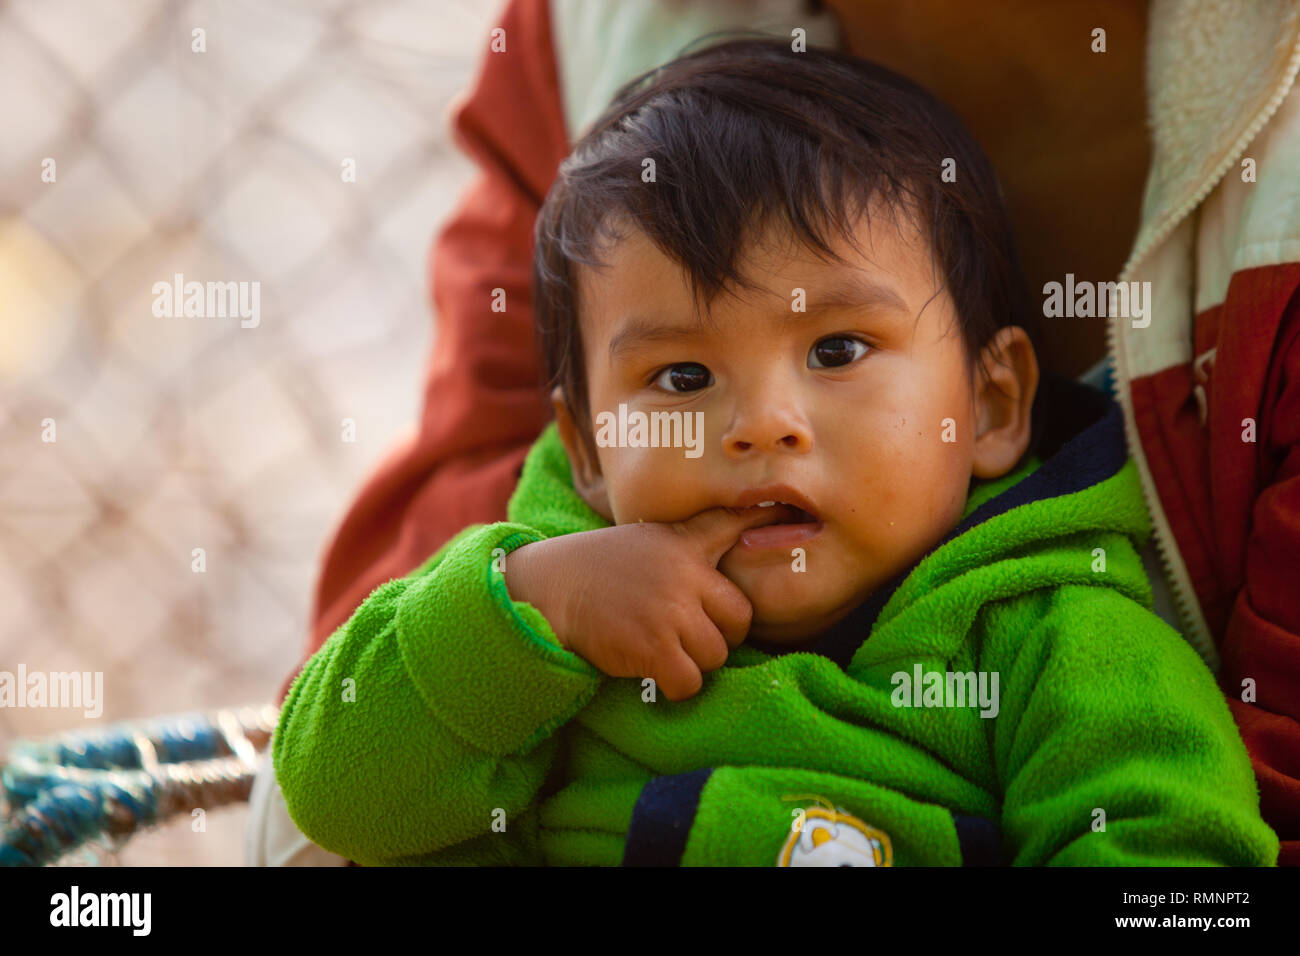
x,y
839,410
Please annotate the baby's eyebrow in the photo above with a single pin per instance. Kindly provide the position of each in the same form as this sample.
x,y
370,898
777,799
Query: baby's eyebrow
x,y
638,331
857,290
852,290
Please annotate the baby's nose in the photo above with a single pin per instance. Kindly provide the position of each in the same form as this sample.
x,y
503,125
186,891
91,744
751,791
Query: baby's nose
x,y
773,428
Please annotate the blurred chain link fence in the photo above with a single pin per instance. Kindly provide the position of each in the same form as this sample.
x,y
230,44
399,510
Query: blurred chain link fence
x,y
128,440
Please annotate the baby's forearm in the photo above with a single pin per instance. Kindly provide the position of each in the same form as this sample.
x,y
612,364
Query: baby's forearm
x,y
530,575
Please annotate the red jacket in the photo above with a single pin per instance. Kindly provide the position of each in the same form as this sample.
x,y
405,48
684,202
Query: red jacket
x,y
1222,344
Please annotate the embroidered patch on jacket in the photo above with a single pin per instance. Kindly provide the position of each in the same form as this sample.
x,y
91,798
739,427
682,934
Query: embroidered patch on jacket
x,y
835,838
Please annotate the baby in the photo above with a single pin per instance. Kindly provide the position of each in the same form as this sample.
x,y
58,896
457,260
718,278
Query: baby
x,y
808,570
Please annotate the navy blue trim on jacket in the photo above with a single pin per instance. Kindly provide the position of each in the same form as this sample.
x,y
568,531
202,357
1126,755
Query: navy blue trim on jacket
x,y
662,819
979,839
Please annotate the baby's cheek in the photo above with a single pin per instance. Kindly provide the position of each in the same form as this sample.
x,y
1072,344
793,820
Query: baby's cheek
x,y
903,518
625,501
641,487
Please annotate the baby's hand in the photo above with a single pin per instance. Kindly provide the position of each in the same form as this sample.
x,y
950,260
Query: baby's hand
x,y
642,600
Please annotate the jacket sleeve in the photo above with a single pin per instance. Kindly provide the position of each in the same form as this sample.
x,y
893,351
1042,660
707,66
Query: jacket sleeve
x,y
1114,745
484,404
1262,643
425,728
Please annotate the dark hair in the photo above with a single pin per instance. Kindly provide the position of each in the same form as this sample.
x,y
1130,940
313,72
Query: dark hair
x,y
749,130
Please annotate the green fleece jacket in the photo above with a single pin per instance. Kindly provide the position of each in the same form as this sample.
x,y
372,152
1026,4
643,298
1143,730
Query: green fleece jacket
x,y
1009,699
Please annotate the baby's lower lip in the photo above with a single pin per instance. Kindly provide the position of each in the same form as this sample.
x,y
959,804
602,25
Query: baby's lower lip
x,y
778,536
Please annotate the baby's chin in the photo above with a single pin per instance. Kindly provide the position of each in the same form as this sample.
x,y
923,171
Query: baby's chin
x,y
790,612
776,636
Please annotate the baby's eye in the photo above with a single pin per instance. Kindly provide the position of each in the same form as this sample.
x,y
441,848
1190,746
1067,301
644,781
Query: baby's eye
x,y
687,377
834,351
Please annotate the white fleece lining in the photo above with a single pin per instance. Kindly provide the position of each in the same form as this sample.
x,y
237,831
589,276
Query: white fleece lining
x,y
1245,225
1214,71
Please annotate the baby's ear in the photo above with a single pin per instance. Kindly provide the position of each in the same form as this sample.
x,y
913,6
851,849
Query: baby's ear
x,y
1004,401
587,478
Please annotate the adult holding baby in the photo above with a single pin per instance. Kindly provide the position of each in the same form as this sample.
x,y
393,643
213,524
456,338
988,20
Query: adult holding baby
x,y
1220,248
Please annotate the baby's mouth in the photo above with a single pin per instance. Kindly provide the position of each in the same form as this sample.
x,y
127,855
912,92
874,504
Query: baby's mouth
x,y
783,513
790,526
